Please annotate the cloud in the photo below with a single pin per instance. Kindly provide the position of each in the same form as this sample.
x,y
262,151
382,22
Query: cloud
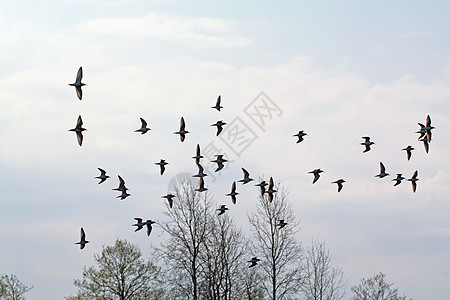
x,y
198,32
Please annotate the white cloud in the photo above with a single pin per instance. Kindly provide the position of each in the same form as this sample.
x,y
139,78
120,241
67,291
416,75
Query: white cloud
x,y
198,32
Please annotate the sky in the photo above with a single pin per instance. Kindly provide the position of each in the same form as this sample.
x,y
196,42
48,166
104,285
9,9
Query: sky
x,y
337,70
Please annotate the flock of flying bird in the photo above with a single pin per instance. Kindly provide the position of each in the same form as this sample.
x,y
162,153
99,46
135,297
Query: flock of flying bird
x,y
425,137
424,131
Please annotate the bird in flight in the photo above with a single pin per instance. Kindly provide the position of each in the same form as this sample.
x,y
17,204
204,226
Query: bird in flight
x,y
219,125
79,130
82,241
149,226
162,165
270,191
246,178
398,179
219,160
262,187
139,225
222,209
281,224
182,132
122,186
233,193
253,261
217,106
143,128
197,156
408,150
316,173
300,136
102,176
78,84
382,171
339,182
201,185
123,195
367,143
413,180
422,131
169,198
428,128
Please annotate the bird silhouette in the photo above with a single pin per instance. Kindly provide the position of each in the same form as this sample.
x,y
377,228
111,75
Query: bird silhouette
x,y
222,209
382,171
123,195
143,128
219,125
82,241
102,176
300,136
246,178
197,156
149,226
422,131
413,180
339,182
162,165
139,225
253,261
281,224
367,143
78,84
233,193
428,128
270,190
201,186
182,132
262,187
217,106
408,150
169,198
79,130
219,161
316,173
398,179
122,186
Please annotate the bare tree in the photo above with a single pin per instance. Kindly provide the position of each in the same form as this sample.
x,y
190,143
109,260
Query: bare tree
x,y
122,274
252,280
188,229
321,280
376,288
225,248
11,288
205,254
280,253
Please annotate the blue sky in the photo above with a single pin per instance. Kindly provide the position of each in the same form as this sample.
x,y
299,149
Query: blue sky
x,y
338,70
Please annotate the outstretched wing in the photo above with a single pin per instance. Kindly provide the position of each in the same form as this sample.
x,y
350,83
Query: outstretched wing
x,y
79,92
144,124
79,75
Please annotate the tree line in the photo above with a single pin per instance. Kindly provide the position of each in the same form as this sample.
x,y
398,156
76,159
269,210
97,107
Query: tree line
x,y
207,256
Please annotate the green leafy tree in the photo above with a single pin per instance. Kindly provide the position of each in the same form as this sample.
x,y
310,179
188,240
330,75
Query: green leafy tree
x,y
11,288
376,288
120,273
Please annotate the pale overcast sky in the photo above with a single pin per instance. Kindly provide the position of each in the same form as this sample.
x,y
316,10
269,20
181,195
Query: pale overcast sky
x,y
339,70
